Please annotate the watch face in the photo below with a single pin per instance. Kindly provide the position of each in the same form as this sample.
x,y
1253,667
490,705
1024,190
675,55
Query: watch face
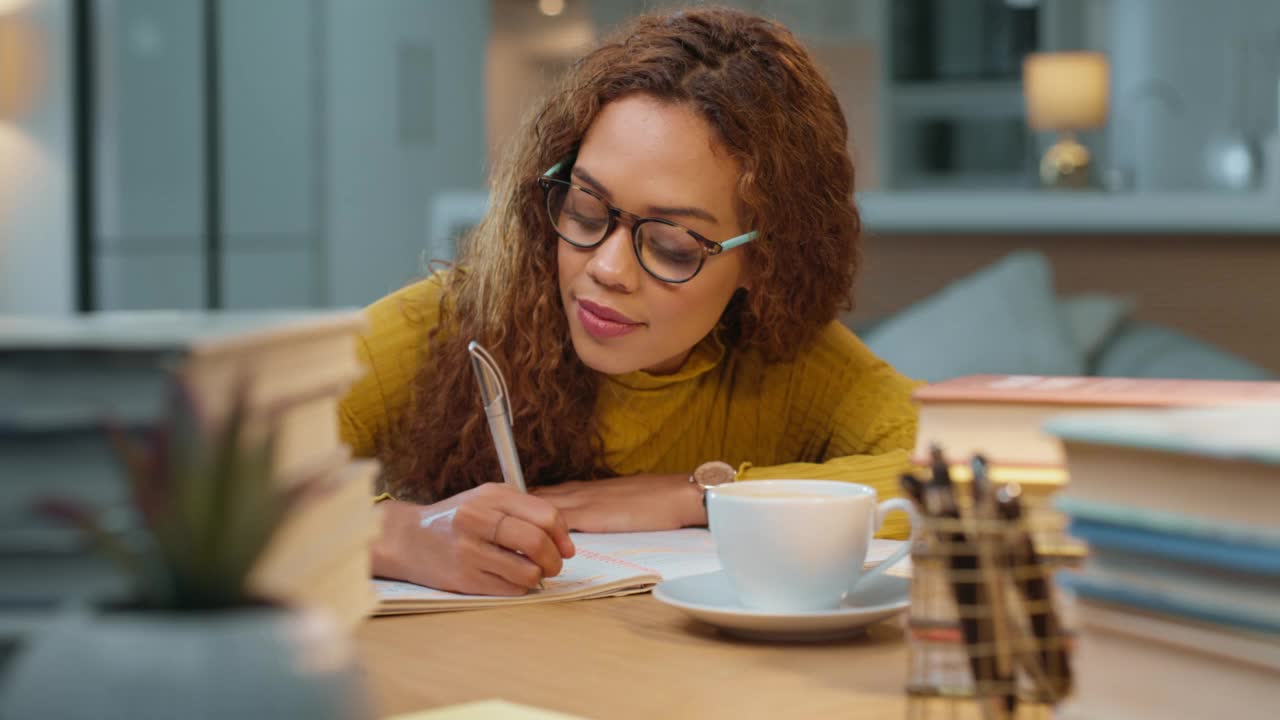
x,y
713,473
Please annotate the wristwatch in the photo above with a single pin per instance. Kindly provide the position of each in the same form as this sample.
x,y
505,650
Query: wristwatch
x,y
711,474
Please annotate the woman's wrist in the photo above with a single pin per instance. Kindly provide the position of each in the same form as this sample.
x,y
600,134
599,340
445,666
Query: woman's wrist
x,y
398,519
693,504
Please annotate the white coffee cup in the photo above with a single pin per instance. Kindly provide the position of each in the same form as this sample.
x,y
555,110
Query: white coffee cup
x,y
798,545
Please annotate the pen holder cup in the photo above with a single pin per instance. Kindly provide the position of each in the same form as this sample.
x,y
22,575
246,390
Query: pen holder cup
x,y
986,635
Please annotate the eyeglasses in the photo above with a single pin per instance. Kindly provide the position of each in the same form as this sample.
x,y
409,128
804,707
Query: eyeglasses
x,y
666,250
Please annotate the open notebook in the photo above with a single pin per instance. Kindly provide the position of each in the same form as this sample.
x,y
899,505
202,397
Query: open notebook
x,y
606,565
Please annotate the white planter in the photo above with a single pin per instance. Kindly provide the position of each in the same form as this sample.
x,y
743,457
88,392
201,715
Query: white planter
x,y
256,662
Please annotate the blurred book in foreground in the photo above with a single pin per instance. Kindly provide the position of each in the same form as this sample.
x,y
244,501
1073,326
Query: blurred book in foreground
x,y
1213,469
1141,665
1177,605
63,380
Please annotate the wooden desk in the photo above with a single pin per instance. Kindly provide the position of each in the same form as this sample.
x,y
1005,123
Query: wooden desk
x,y
630,657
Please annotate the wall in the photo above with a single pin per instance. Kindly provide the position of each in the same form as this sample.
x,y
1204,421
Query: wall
x,y
527,53
37,260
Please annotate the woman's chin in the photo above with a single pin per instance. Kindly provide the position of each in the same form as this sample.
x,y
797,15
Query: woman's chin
x,y
610,361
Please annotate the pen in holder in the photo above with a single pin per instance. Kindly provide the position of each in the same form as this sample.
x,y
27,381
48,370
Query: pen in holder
x,y
985,635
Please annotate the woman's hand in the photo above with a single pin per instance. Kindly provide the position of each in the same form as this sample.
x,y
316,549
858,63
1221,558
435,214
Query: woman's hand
x,y
489,540
628,504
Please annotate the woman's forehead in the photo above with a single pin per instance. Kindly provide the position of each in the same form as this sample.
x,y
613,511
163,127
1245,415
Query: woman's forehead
x,y
658,153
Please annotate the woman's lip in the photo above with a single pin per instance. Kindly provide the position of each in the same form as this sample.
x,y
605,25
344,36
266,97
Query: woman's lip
x,y
602,328
605,312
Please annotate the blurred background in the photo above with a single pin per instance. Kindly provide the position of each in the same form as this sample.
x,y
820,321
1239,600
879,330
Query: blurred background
x,y
287,153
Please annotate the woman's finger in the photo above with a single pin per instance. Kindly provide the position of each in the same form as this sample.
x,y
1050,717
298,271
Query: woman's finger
x,y
541,513
487,583
516,534
515,569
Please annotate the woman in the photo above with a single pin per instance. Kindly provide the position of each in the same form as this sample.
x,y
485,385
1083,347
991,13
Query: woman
x,y
659,276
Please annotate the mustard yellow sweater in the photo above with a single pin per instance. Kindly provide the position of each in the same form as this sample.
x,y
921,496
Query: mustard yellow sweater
x,y
835,412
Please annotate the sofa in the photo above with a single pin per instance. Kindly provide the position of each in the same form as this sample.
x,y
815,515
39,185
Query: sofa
x,y
1006,318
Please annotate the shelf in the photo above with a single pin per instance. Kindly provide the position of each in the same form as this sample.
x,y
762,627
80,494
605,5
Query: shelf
x,y
959,212
1052,212
959,98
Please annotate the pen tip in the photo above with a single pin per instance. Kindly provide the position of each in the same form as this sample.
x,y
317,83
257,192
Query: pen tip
x,y
941,472
911,485
936,457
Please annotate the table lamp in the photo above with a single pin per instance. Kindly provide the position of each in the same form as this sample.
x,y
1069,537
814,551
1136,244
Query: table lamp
x,y
1066,92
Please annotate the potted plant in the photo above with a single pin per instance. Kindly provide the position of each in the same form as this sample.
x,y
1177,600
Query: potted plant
x,y
191,640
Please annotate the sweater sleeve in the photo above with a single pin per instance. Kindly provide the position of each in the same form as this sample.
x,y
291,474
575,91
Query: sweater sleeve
x,y
868,432
392,351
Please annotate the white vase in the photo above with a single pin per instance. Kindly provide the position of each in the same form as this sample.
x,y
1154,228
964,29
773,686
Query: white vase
x,y
256,662
1233,162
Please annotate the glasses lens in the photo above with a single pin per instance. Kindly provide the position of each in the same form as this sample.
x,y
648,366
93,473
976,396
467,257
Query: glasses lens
x,y
669,252
578,217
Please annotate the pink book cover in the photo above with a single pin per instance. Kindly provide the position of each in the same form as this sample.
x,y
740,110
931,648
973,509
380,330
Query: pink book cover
x,y
1099,391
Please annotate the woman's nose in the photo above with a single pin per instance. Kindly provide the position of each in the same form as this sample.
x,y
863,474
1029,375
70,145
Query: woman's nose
x,y
613,262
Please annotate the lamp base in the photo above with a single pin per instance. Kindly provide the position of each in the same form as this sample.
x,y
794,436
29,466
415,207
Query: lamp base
x,y
1065,165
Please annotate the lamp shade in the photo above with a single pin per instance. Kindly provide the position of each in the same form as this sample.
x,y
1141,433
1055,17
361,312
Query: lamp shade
x,y
21,71
1066,90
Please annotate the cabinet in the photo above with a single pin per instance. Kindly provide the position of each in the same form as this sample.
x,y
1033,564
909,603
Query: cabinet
x,y
322,128
952,106
150,246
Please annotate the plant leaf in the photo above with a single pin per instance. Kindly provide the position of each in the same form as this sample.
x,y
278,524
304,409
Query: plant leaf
x,y
226,468
140,474
110,544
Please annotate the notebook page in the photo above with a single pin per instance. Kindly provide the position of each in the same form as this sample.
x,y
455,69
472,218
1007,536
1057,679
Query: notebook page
x,y
668,554
582,576
605,564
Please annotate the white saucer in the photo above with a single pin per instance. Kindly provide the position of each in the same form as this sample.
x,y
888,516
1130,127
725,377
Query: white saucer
x,y
710,598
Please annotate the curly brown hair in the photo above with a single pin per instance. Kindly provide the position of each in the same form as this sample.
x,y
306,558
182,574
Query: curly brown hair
x,y
774,113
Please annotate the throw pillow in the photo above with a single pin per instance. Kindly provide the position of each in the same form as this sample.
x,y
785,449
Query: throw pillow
x,y
1142,349
1002,319
1092,319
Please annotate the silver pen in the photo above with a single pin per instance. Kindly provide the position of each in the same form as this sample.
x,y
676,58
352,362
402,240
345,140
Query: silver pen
x,y
497,407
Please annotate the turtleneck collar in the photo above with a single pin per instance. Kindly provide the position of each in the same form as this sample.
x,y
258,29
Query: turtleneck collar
x,y
705,355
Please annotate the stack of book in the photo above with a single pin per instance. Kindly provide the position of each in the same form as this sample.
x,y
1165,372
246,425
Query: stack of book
x,y
63,380
1178,605
1001,416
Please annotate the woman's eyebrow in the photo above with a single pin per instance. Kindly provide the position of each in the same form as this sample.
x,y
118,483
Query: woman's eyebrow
x,y
656,210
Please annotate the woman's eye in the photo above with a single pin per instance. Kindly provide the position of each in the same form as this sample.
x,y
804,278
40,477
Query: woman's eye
x,y
585,222
674,254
